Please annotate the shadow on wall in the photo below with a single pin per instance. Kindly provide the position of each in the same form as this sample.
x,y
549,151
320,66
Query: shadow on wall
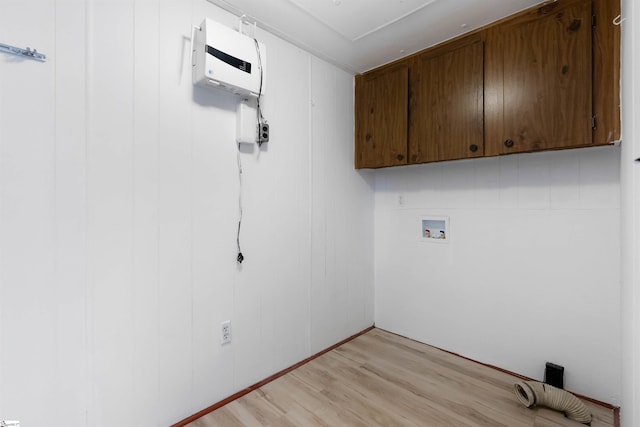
x,y
215,98
591,166
368,176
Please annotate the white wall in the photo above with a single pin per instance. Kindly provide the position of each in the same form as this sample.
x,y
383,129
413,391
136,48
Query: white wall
x,y
531,270
118,196
118,214
630,411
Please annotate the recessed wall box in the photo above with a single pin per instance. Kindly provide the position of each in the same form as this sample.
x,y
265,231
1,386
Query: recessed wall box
x,y
554,375
225,58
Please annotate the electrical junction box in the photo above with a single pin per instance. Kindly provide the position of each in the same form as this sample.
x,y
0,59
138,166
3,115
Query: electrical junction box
x,y
225,58
250,128
247,122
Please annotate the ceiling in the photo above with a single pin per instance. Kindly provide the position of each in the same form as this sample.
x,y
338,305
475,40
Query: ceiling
x,y
358,35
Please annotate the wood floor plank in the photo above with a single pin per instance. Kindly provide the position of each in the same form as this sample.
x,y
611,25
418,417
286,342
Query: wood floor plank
x,y
382,379
446,389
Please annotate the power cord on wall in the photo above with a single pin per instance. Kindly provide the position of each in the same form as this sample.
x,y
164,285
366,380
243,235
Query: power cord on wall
x,y
263,126
240,257
263,136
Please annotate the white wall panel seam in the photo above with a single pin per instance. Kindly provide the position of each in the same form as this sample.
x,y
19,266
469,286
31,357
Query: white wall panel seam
x,y
310,195
91,392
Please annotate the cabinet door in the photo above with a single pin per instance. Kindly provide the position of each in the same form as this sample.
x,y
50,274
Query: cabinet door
x,y
538,91
446,106
606,72
381,102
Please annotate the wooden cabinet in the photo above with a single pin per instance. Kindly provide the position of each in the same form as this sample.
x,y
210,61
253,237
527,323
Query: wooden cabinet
x,y
606,72
545,79
538,82
446,106
381,114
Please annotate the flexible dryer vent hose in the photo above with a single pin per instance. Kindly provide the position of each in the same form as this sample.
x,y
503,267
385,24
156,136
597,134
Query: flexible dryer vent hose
x,y
532,393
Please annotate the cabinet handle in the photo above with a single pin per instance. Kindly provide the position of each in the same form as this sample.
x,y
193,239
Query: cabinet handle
x,y
509,143
473,148
400,157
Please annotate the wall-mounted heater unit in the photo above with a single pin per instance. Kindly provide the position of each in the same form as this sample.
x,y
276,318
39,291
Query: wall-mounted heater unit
x,y
222,57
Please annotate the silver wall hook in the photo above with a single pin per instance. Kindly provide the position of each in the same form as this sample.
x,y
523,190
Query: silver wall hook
x,y
618,20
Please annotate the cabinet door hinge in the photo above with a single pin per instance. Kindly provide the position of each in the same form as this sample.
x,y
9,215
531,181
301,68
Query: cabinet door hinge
x,y
593,20
594,123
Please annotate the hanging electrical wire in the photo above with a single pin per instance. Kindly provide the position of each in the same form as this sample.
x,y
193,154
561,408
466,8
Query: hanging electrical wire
x,y
263,136
263,127
240,257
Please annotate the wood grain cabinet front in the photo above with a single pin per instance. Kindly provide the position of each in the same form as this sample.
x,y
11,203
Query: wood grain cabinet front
x,y
446,103
538,80
381,114
545,79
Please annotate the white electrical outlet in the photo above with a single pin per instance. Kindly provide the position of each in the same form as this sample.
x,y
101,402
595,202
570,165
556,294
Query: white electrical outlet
x,y
226,332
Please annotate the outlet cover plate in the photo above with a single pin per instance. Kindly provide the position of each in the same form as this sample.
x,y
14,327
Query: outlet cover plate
x,y
225,332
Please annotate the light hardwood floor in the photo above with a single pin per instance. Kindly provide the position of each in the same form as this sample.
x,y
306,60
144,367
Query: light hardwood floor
x,y
381,379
